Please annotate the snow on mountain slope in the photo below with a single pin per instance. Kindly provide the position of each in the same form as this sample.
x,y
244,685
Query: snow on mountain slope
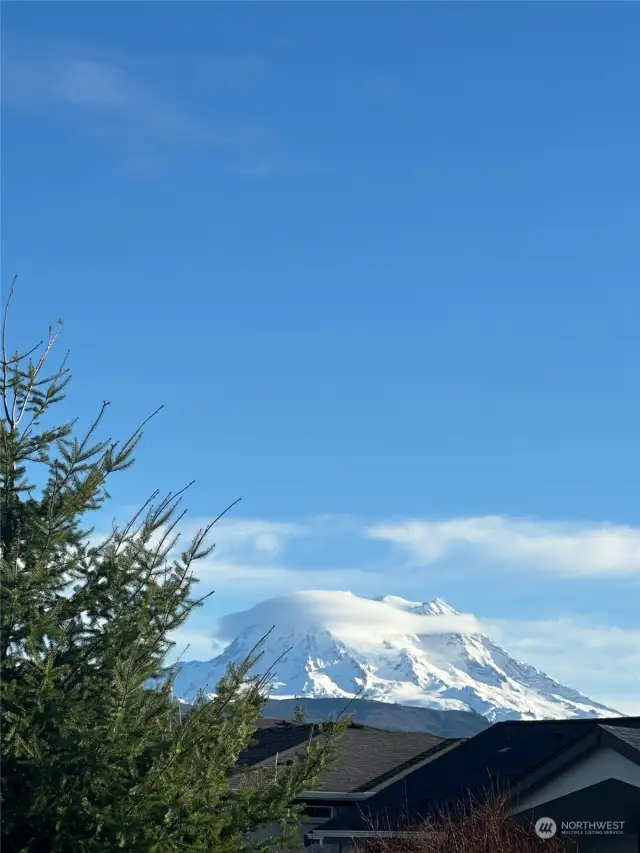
x,y
424,654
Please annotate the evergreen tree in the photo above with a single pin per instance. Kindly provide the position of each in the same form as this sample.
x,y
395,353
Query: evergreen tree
x,y
93,759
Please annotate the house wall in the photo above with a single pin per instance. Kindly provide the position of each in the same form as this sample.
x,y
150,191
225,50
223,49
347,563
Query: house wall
x,y
602,786
597,767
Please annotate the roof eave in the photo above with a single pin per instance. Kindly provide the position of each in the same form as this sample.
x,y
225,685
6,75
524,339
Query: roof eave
x,y
320,835
345,796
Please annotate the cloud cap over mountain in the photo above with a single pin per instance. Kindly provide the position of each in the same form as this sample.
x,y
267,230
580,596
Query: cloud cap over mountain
x,y
346,615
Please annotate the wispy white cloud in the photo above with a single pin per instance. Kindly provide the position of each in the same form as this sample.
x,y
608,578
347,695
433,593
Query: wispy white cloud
x,y
565,549
559,549
602,661
255,542
247,536
127,101
50,78
249,556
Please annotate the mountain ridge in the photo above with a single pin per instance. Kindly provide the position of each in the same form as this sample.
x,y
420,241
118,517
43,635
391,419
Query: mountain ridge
x,y
382,715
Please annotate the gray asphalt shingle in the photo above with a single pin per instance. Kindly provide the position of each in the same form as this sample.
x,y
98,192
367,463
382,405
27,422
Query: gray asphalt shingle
x,y
366,758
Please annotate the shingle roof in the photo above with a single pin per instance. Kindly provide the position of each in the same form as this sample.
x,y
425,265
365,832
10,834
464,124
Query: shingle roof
x,y
367,758
499,757
276,738
627,734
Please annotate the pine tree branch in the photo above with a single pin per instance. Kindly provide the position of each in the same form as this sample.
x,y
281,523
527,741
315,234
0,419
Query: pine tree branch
x,y
16,418
5,361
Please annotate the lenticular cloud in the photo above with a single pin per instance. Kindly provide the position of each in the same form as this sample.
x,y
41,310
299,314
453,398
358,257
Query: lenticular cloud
x,y
346,615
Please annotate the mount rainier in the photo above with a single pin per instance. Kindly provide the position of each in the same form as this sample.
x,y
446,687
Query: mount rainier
x,y
331,644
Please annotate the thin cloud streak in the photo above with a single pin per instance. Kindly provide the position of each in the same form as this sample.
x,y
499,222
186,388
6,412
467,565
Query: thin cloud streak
x,y
119,99
84,86
563,549
493,543
255,535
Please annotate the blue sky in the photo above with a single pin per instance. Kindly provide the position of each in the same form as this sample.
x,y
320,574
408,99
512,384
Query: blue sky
x,y
380,264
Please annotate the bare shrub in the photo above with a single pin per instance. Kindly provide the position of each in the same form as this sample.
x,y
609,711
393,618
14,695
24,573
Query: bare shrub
x,y
484,827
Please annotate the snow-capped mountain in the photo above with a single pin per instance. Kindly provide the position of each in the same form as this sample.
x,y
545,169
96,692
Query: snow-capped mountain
x,y
424,654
